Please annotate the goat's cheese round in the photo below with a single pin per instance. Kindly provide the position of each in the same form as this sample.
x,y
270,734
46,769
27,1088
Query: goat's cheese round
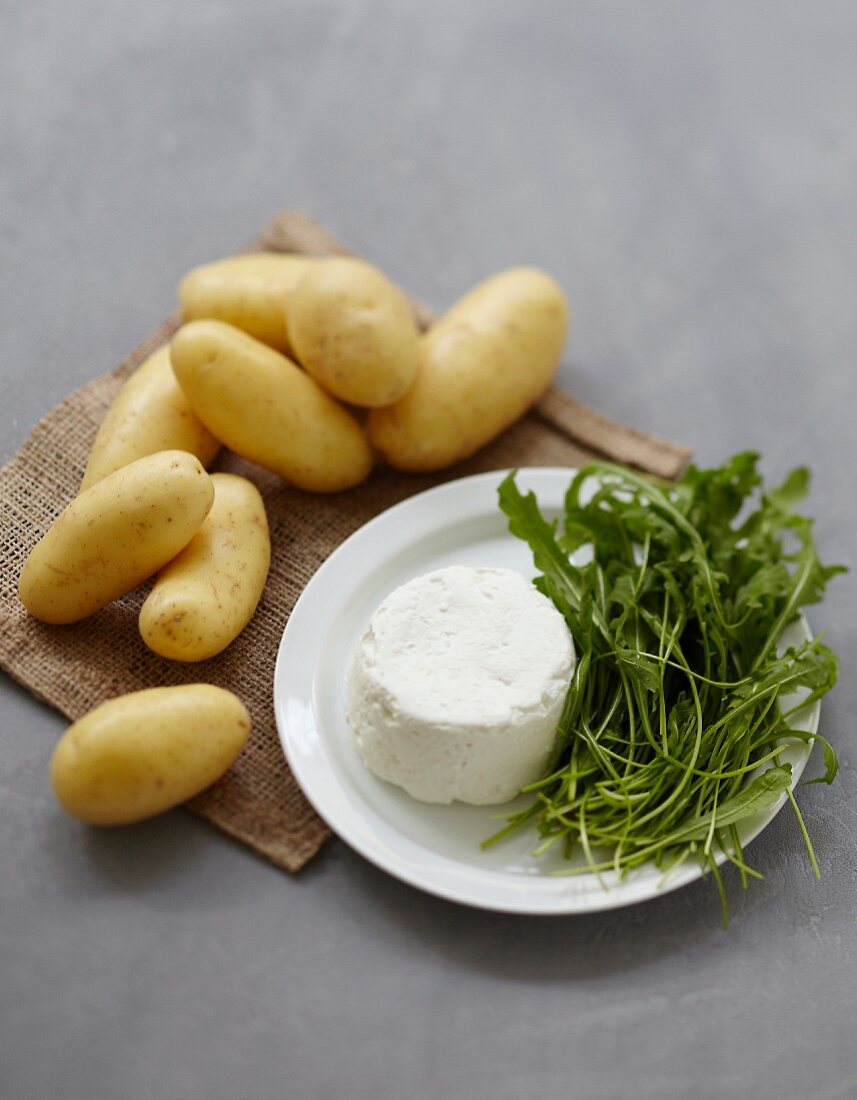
x,y
458,683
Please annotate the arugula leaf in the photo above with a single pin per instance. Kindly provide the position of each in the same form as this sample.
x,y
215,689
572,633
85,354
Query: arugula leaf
x,y
676,596
763,792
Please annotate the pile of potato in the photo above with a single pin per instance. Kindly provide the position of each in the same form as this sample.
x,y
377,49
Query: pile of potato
x,y
276,346
310,368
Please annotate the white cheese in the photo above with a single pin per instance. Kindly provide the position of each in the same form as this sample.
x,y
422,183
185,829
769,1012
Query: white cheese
x,y
458,683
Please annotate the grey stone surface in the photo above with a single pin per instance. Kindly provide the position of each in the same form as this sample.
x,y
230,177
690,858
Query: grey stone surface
x,y
687,171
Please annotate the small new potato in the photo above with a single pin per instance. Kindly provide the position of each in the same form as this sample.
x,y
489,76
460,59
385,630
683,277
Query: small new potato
x,y
354,332
482,365
252,292
264,407
143,753
115,535
150,414
205,596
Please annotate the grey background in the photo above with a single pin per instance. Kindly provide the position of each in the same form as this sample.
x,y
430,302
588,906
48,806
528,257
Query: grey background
x,y
688,172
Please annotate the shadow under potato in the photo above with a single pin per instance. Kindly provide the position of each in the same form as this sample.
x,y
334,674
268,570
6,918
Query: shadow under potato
x,y
134,858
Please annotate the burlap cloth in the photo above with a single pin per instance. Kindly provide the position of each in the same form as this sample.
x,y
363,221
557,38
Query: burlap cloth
x,y
76,667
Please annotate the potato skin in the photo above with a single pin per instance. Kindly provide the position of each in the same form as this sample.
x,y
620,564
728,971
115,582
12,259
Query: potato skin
x,y
264,407
482,365
354,332
252,292
150,414
115,535
143,753
205,596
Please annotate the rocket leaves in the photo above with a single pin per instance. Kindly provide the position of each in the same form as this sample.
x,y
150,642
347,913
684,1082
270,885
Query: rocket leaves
x,y
676,596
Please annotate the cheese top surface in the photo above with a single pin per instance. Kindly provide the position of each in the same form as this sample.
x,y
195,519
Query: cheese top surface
x,y
457,685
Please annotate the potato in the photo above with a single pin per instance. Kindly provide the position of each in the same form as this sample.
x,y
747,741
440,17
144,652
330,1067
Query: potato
x,y
354,332
482,365
205,596
266,408
115,535
150,414
251,292
146,752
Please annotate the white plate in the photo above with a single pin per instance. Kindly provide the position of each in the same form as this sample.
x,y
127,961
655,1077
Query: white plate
x,y
436,848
